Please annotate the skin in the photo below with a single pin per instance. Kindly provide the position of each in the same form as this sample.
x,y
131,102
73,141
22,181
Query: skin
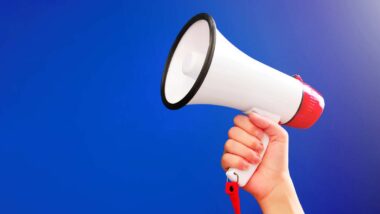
x,y
271,184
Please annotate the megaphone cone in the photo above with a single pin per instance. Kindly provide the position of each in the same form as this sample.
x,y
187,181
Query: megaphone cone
x,y
203,67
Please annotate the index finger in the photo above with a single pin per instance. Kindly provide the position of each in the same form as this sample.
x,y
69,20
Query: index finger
x,y
244,123
271,128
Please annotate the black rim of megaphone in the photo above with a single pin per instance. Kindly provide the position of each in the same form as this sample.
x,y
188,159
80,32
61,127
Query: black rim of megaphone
x,y
206,65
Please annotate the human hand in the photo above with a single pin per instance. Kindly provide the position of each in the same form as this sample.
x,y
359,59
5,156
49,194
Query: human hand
x,y
271,184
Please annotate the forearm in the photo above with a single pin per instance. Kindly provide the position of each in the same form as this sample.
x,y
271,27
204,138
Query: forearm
x,y
283,199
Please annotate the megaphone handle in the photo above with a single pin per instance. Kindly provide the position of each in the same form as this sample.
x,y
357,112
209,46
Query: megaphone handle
x,y
242,176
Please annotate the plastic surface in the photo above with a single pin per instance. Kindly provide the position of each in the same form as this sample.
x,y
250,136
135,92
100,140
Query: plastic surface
x,y
310,109
238,81
187,61
231,78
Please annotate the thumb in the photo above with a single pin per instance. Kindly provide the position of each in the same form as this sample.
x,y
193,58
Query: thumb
x,y
271,128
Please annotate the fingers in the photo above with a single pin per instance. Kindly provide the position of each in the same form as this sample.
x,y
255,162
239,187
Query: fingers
x,y
244,123
274,130
236,148
243,137
243,146
234,161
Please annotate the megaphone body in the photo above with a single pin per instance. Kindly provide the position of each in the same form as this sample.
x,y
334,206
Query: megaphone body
x,y
203,67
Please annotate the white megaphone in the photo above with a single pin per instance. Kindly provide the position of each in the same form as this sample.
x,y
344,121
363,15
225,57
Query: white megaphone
x,y
203,67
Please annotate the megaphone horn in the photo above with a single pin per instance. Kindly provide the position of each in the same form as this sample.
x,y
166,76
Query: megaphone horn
x,y
203,67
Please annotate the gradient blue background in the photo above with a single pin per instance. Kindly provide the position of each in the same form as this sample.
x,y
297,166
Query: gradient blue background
x,y
83,129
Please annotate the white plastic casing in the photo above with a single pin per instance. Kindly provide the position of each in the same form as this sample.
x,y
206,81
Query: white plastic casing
x,y
238,81
233,79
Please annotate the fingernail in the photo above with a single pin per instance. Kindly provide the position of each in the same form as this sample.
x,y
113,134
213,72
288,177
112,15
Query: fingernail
x,y
253,159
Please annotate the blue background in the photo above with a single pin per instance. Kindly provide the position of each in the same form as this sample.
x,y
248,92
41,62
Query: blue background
x,y
83,129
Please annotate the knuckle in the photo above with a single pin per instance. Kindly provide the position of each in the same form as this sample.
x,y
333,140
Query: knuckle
x,y
256,133
228,145
232,131
253,144
238,119
223,160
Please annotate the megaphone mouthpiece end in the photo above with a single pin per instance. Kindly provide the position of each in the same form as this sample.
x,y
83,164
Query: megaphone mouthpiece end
x,y
175,97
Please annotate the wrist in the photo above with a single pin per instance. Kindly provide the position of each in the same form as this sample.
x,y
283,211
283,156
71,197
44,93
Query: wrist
x,y
282,199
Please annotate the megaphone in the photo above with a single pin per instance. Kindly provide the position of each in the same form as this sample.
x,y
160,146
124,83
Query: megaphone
x,y
203,67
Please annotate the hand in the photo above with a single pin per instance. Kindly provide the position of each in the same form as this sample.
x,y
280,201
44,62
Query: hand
x,y
271,184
